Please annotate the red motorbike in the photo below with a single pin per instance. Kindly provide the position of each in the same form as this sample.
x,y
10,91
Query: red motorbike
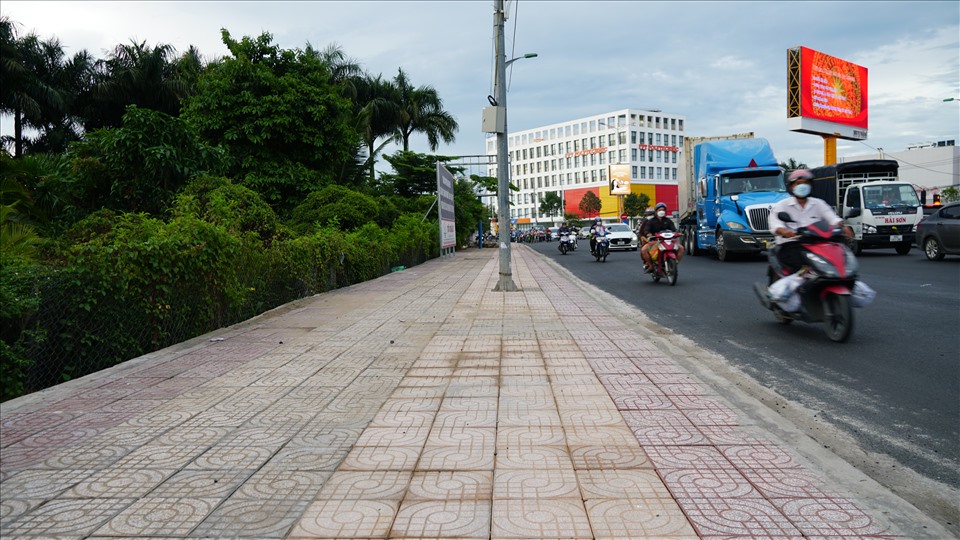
x,y
664,257
821,290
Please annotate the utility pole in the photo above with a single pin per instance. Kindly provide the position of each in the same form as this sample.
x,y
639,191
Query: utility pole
x,y
505,283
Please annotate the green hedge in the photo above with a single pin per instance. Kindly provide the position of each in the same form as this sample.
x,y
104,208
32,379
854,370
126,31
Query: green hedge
x,y
132,284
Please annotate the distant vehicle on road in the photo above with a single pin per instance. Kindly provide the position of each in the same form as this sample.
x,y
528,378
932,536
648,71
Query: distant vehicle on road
x,y
939,233
622,237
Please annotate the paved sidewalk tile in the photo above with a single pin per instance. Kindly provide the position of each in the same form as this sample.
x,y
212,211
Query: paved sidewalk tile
x,y
418,405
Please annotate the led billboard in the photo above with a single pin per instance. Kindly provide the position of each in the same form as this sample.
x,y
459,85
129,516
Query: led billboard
x,y
826,95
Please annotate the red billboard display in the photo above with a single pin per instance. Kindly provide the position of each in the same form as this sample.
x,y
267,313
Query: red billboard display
x,y
832,90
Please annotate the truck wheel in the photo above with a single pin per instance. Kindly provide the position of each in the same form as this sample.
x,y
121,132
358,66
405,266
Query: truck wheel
x,y
856,247
722,253
903,248
691,243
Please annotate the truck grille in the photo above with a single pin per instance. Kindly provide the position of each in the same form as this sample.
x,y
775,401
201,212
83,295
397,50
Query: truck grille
x,y
757,217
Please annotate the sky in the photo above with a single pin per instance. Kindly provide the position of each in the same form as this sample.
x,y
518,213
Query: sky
x,y
723,65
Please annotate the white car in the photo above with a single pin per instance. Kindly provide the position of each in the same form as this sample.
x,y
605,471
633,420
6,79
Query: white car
x,y
621,237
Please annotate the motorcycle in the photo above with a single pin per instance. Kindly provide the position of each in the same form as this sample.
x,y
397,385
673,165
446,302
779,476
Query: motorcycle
x,y
602,247
664,257
566,243
821,290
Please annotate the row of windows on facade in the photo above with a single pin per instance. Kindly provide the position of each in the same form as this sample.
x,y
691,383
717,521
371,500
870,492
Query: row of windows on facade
x,y
592,160
553,181
593,142
591,126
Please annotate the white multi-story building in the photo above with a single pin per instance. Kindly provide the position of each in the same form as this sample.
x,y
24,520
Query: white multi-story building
x,y
574,157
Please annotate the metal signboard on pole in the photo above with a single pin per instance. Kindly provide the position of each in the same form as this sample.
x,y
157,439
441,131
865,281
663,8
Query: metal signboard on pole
x,y
448,227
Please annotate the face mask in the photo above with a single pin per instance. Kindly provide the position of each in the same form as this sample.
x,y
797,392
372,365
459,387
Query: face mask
x,y
661,213
802,190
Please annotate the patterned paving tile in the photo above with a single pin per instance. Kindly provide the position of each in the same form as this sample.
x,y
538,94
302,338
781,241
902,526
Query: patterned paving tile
x,y
442,519
621,484
707,483
234,457
534,457
451,485
159,516
43,484
530,436
731,435
535,484
787,483
473,418
374,458
687,457
829,517
760,456
602,456
486,404
119,483
540,518
346,519
201,484
592,418
389,436
637,518
280,484
379,485
611,435
195,435
461,436
643,402
262,518
64,517
478,457
743,517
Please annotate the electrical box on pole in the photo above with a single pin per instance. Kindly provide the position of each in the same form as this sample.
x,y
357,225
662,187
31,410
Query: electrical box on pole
x,y
494,120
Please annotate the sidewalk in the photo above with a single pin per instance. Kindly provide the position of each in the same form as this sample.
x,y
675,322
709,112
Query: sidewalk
x,y
418,405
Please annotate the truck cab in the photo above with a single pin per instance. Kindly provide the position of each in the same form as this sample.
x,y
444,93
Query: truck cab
x,y
738,182
882,210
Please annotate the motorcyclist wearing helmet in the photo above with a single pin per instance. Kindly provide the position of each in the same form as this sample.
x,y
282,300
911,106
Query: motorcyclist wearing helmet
x,y
647,214
596,229
659,222
803,210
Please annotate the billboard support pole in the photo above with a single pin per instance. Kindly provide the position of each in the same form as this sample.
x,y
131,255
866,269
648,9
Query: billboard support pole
x,y
829,149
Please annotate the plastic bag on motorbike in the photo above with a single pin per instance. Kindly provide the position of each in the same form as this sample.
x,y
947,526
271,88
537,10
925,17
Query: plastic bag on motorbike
x,y
782,289
862,295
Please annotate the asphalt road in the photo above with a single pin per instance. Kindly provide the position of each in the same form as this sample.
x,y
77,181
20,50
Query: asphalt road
x,y
894,386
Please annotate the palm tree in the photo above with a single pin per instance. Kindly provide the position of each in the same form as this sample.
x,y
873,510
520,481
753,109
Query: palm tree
x,y
139,75
25,94
378,116
791,165
344,71
421,110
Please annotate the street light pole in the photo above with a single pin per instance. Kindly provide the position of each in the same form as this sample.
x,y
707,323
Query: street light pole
x,y
505,283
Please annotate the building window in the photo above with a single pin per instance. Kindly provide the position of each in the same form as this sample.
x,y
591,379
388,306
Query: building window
x,y
658,139
623,155
538,152
633,172
610,139
680,138
650,138
673,157
576,161
633,137
674,173
643,155
659,156
659,173
650,172
576,145
593,142
680,124
633,154
643,173
673,124
623,137
576,176
603,157
603,175
569,163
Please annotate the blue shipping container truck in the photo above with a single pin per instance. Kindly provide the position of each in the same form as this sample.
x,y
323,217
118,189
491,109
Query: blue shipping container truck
x,y
737,181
